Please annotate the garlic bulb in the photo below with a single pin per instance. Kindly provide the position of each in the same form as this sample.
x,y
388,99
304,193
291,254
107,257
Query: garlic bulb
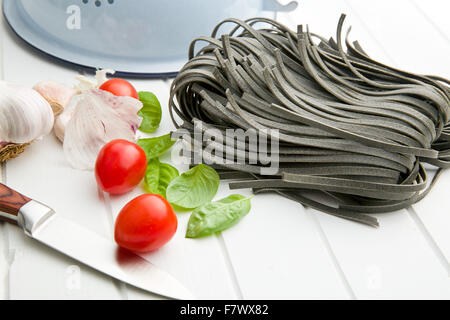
x,y
58,95
94,118
24,114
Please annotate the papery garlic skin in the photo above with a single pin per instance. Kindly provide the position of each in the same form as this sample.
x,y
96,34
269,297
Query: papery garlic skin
x,y
24,114
57,94
101,76
98,117
63,119
86,83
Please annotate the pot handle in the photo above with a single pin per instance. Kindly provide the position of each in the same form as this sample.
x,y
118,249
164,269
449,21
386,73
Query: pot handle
x,y
274,5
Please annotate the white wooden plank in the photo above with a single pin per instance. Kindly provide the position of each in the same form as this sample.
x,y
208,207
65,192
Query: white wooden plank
x,y
3,233
410,40
378,263
344,246
401,45
209,281
198,264
322,18
391,262
430,211
4,253
371,275
434,214
42,173
277,253
3,263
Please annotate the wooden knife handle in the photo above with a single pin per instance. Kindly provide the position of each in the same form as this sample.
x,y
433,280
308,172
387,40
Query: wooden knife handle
x,y
10,203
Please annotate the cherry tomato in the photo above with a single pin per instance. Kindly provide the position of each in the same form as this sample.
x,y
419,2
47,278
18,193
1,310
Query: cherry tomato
x,y
120,166
120,87
145,224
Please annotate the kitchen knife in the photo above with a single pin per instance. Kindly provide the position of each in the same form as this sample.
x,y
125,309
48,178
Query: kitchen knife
x,y
45,225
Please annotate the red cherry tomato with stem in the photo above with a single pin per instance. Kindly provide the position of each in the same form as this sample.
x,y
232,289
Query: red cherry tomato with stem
x,y
145,224
120,87
120,166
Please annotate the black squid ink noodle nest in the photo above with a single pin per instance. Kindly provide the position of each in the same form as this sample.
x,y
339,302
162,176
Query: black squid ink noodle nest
x,y
354,133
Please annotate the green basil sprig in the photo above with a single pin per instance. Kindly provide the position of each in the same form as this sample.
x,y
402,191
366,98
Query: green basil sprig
x,y
158,177
155,147
194,187
217,216
151,112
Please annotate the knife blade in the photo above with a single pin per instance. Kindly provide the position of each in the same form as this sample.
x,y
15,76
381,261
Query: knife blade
x,y
44,225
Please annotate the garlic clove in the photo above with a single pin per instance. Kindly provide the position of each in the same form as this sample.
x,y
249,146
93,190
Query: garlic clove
x,y
96,121
57,94
24,114
126,107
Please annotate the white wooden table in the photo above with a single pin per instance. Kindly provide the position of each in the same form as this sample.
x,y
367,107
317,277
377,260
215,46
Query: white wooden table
x,y
281,249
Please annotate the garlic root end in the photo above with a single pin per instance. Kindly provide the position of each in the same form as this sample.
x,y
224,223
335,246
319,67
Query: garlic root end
x,y
11,151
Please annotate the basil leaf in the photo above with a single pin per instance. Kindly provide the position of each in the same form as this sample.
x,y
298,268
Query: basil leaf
x,y
158,177
194,187
151,112
155,147
217,216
